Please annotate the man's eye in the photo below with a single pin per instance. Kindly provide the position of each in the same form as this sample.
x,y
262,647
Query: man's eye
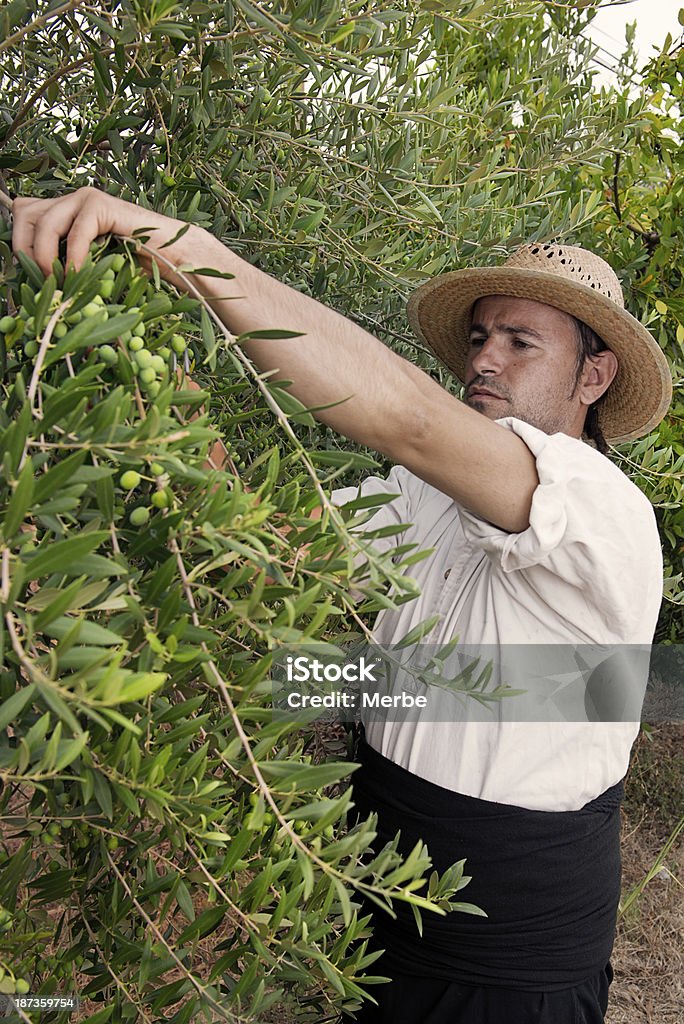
x,y
476,342
519,343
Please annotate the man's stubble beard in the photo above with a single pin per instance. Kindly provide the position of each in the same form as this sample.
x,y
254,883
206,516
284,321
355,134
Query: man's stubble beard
x,y
542,419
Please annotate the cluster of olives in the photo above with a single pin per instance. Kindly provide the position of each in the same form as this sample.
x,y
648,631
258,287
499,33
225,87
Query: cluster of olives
x,y
150,359
8,984
14,986
146,352
161,498
51,833
300,827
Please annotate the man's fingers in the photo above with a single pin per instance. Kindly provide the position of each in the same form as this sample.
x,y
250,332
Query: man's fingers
x,y
50,228
84,230
80,218
41,224
24,212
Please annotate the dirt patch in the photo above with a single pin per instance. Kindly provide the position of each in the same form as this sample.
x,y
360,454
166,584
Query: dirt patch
x,y
649,948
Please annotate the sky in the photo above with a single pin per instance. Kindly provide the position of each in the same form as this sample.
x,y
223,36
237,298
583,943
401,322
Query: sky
x,y
654,18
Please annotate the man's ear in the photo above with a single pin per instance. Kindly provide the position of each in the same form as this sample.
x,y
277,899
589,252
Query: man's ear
x,y
597,375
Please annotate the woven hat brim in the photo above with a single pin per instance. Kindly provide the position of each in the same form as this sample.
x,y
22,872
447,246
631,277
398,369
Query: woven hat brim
x,y
439,312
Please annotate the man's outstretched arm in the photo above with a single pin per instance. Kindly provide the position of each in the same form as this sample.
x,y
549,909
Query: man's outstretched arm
x,y
385,402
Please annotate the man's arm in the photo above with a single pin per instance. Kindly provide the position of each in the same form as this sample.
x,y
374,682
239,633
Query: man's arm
x,y
385,402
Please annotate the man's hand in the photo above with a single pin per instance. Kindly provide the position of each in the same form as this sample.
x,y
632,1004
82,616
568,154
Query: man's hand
x,y
81,217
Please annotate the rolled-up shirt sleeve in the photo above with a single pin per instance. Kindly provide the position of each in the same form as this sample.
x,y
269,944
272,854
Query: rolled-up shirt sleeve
x,y
586,521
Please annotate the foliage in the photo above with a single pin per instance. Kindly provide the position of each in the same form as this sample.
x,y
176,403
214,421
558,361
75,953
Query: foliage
x,y
351,152
162,800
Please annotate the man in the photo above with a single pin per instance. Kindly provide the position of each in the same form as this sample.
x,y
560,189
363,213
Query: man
x,y
537,538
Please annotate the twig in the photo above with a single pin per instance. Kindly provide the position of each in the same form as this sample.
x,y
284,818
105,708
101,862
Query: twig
x,y
616,196
115,978
5,581
6,201
42,351
39,22
57,76
197,984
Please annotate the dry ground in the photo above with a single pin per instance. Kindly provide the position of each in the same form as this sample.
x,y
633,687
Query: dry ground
x,y
649,949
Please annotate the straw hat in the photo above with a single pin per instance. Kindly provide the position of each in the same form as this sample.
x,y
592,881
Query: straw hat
x,y
577,282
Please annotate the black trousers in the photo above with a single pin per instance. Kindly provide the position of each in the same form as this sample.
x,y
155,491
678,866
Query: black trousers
x,y
548,881
409,1000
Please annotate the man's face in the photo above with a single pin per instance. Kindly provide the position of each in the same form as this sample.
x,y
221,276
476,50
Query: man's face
x,y
521,362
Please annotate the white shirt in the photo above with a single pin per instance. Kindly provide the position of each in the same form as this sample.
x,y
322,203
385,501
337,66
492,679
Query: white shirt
x,y
587,570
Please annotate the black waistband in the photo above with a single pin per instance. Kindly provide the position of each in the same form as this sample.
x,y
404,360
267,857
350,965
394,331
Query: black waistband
x,y
548,881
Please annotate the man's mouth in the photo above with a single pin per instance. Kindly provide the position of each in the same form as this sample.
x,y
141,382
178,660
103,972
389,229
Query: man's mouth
x,y
483,393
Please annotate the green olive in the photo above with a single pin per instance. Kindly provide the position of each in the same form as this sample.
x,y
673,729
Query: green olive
x,y
158,363
143,356
156,469
164,352
106,289
108,354
129,479
7,324
178,344
136,345
153,389
139,330
60,330
139,516
112,843
148,375
160,499
21,986
92,309
118,263
31,348
109,274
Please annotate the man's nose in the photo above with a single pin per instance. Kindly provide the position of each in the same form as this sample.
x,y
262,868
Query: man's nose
x,y
487,357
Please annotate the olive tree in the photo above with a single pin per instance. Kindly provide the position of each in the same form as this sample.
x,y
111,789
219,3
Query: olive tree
x,y
170,848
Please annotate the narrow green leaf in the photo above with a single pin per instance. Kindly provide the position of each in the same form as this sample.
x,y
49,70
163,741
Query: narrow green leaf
x,y
12,707
88,633
102,793
19,502
59,556
43,303
60,604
